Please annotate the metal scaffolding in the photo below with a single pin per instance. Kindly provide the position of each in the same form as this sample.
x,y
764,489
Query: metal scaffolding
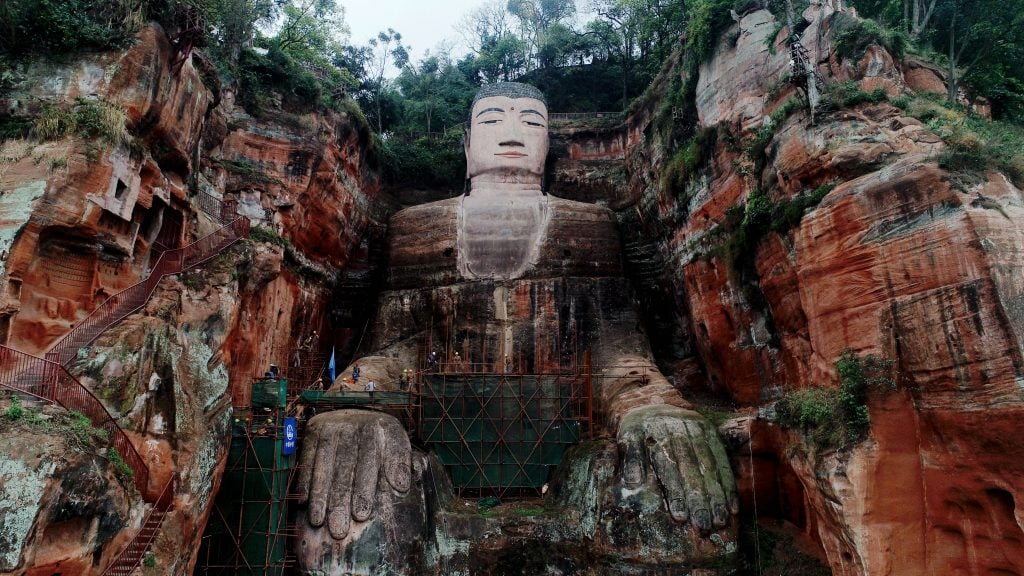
x,y
498,432
249,532
502,433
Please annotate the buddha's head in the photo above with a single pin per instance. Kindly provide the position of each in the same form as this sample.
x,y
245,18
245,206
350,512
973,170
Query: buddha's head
x,y
507,134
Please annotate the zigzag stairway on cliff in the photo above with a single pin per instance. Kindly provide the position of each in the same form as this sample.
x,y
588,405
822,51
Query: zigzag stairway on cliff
x,y
49,379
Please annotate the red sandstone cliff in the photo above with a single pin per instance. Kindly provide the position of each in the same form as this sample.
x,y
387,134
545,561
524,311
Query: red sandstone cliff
x,y
901,259
81,219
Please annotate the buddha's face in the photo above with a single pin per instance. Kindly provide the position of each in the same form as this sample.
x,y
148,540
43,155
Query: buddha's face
x,y
508,139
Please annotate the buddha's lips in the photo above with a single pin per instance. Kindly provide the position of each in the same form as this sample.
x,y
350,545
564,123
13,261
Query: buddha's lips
x,y
512,154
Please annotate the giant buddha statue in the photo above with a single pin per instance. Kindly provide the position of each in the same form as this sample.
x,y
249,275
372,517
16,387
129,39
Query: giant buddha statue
x,y
508,275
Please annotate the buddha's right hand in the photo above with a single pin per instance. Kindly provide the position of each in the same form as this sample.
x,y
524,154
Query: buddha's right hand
x,y
341,461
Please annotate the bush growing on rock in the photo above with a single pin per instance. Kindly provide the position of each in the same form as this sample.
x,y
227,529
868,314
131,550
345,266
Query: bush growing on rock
x,y
14,411
838,417
89,119
120,465
974,145
856,35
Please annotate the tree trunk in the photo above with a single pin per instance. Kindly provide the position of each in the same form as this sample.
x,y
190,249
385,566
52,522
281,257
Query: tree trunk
x,y
624,83
952,61
380,129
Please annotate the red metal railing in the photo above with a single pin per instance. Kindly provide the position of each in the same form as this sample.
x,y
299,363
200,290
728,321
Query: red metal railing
x,y
131,555
48,379
127,301
223,211
52,382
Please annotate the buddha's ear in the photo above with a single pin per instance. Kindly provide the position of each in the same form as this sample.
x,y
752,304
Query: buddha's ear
x,y
465,150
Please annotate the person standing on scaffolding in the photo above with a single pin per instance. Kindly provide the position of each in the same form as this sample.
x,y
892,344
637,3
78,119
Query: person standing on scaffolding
x,y
371,387
355,374
432,361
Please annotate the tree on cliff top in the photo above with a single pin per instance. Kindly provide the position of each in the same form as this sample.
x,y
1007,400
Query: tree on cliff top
x,y
980,42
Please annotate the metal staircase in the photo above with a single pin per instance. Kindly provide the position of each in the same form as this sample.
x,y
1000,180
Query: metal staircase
x,y
48,379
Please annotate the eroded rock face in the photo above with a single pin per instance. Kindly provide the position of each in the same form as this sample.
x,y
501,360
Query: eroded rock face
x,y
82,219
61,503
900,259
88,217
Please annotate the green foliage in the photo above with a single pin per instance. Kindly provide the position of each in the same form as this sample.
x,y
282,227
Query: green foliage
x,y
276,72
12,127
89,119
436,96
686,163
248,171
425,161
901,101
122,467
964,155
987,38
811,407
769,40
973,145
528,511
57,27
717,416
707,18
76,428
848,94
261,234
593,87
488,502
757,147
857,376
854,35
15,411
82,430
149,560
747,225
787,214
838,417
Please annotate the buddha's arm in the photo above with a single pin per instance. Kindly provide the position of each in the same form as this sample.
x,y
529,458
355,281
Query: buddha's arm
x,y
660,437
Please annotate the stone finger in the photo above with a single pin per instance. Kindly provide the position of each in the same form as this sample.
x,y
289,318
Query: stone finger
x,y
632,460
364,491
397,455
323,472
725,474
689,469
667,470
339,515
708,468
307,460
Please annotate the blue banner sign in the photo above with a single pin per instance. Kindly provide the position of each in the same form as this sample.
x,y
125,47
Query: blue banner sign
x,y
289,436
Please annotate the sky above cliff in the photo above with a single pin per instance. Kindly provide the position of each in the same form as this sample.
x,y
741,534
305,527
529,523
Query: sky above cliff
x,y
424,25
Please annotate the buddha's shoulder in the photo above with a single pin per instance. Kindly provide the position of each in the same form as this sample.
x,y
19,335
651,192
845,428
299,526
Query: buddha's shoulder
x,y
562,209
582,240
437,211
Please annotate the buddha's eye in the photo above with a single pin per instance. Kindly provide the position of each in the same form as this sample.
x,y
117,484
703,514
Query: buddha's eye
x,y
490,121
531,123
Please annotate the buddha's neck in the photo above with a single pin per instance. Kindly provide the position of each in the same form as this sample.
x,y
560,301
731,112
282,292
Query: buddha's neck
x,y
488,188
